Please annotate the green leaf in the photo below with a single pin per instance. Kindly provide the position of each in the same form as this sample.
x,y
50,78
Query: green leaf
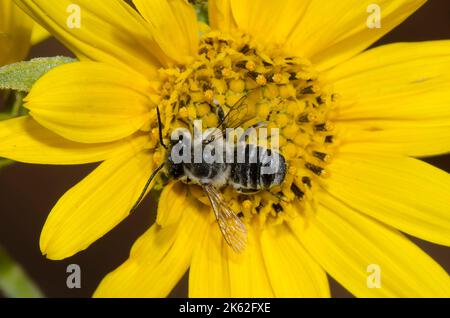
x,y
5,163
201,7
155,194
21,76
14,106
17,108
14,282
5,116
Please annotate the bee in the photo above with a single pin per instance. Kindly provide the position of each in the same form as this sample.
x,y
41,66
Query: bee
x,y
260,169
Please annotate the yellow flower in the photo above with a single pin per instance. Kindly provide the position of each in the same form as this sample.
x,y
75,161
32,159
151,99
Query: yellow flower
x,y
17,33
351,123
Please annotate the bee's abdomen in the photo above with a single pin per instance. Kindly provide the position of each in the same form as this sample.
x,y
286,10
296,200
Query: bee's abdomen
x,y
260,170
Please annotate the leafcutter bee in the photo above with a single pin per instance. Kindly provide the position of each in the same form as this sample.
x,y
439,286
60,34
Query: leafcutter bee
x,y
253,168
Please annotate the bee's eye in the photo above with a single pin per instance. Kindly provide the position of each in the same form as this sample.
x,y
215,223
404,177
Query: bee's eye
x,y
176,171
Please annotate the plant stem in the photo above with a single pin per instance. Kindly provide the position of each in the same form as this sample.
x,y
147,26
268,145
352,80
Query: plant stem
x,y
17,106
14,282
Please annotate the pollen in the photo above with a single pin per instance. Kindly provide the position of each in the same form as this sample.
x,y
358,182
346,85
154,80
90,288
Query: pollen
x,y
277,78
247,206
209,95
183,113
261,80
237,86
251,66
211,120
281,91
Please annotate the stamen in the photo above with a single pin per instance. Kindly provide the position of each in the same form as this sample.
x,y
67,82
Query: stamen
x,y
277,207
245,49
303,118
315,169
298,193
320,155
321,127
251,66
329,139
261,80
307,181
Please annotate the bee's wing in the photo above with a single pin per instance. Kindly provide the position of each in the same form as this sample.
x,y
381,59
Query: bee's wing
x,y
235,118
214,135
237,115
231,226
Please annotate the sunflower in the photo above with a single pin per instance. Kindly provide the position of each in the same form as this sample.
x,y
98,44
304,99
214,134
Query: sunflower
x,y
350,124
17,33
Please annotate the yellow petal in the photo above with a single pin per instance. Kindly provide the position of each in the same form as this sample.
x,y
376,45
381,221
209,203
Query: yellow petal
x,y
90,102
95,205
410,76
208,274
269,21
396,97
408,137
171,203
174,25
292,271
39,34
159,258
104,31
24,140
248,273
354,249
331,32
405,193
220,15
15,33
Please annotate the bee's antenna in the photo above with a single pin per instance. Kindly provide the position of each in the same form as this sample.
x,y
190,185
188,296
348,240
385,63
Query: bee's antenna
x,y
157,170
147,185
160,128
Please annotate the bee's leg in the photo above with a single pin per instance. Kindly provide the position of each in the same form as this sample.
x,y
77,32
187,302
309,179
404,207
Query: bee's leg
x,y
247,191
262,124
282,198
279,196
248,131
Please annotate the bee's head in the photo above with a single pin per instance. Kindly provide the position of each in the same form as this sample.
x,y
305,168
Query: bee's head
x,y
179,143
175,170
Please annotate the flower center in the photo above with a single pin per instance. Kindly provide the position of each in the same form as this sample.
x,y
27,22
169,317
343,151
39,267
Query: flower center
x,y
282,91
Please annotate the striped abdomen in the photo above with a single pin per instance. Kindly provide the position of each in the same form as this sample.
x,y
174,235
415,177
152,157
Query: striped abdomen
x,y
259,169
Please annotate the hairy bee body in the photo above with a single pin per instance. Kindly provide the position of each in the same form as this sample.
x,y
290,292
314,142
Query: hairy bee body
x,y
249,176
252,168
260,169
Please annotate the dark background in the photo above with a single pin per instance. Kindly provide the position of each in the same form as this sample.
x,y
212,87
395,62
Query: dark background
x,y
28,193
